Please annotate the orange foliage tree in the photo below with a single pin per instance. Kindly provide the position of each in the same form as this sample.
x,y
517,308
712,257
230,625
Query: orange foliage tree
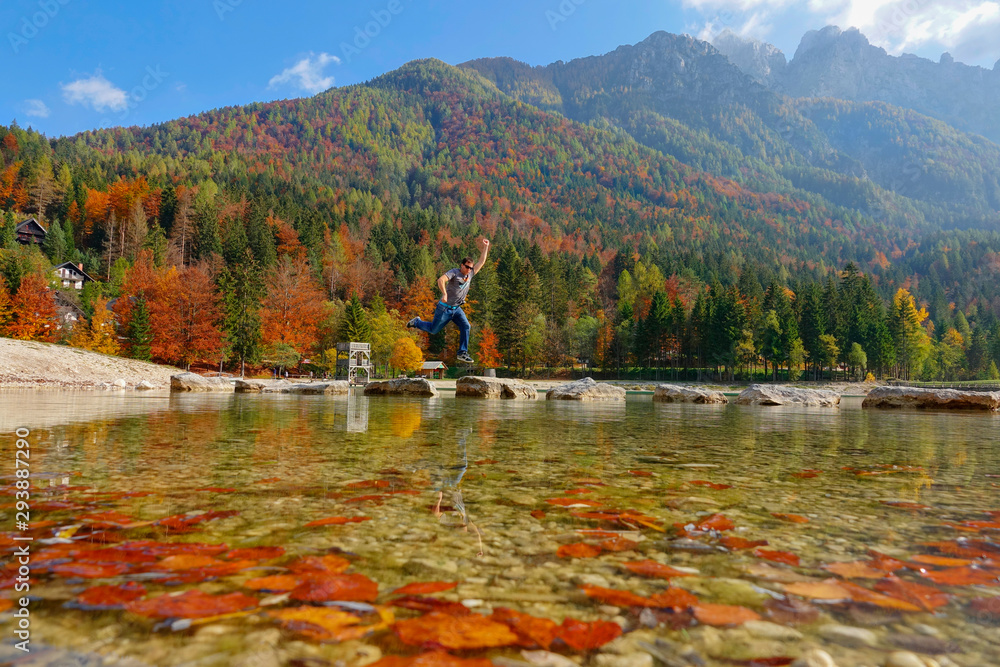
x,y
293,308
420,299
406,356
196,323
184,310
6,307
33,310
489,355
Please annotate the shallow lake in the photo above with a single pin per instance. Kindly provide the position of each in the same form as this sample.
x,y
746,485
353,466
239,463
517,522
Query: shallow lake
x,y
881,531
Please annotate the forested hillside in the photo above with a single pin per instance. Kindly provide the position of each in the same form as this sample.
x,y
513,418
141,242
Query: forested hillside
x,y
265,233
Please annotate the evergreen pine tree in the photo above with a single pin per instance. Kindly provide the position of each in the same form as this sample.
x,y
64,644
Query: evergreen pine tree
x,y
8,231
355,327
140,332
242,287
54,244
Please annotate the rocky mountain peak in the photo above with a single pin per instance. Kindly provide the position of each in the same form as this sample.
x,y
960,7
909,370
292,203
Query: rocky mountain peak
x,y
760,60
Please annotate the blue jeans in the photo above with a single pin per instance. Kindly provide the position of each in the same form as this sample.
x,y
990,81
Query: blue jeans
x,y
443,313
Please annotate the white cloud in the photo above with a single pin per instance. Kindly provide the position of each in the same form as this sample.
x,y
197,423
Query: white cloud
x,y
307,74
966,28
36,108
95,92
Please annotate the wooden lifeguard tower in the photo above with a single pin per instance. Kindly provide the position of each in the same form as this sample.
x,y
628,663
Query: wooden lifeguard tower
x,y
355,359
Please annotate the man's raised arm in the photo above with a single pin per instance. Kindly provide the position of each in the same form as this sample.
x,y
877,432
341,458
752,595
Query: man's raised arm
x,y
485,244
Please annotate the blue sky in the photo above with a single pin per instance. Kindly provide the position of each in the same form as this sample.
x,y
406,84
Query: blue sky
x,y
70,65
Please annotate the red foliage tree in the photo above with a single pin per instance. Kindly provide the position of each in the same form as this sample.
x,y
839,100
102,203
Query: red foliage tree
x,y
489,355
33,310
197,315
293,307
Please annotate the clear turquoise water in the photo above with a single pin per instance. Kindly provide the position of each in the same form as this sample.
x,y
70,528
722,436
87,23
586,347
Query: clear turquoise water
x,y
281,462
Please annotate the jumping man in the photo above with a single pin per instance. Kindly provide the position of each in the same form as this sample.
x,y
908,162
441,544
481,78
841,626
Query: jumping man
x,y
454,286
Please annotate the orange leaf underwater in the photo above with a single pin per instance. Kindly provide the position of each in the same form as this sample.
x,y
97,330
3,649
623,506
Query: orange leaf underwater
x,y
791,518
255,553
578,550
109,597
857,569
584,636
532,631
454,632
723,614
650,568
618,543
734,542
344,587
276,583
777,556
431,659
711,485
328,563
715,522
191,604
926,597
616,597
324,624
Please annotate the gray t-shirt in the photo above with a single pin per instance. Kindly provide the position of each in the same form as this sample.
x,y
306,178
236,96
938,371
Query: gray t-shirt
x,y
457,286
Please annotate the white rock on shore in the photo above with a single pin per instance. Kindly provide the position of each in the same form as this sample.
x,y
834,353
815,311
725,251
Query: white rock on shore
x,y
762,394
585,390
672,393
945,399
484,387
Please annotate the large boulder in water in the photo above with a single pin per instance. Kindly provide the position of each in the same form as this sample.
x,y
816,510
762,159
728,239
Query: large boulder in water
x,y
490,387
585,390
195,382
246,386
672,393
401,387
332,388
764,394
943,399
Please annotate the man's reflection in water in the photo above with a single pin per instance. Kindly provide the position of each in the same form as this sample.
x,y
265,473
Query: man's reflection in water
x,y
448,478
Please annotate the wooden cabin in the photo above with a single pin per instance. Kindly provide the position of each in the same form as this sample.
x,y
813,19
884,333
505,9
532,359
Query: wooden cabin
x,y
433,370
30,231
72,275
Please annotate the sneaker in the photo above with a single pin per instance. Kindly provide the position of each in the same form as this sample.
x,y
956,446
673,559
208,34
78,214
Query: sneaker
x,y
465,358
412,323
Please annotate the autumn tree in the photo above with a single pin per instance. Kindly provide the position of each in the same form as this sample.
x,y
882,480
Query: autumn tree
x,y
6,307
488,354
387,327
406,356
293,308
33,310
911,340
195,326
99,334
